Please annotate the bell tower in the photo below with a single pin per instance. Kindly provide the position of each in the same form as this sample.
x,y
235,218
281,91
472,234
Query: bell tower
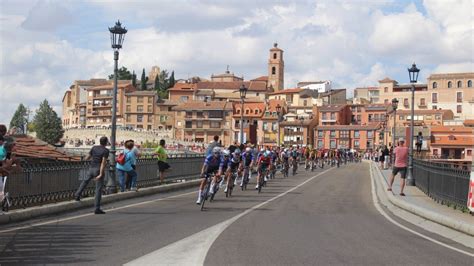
x,y
276,68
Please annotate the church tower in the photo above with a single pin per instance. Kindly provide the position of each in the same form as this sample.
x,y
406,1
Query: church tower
x,y
276,68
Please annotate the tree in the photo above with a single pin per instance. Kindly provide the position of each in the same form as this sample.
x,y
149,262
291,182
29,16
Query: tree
x,y
171,80
157,86
134,79
20,118
48,124
143,81
164,81
123,74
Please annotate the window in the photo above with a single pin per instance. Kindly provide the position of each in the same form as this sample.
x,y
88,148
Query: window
x,y
139,108
435,85
139,99
385,89
344,134
189,114
405,102
459,84
370,144
256,111
459,109
274,126
215,124
435,151
422,102
127,118
199,124
376,117
324,116
216,114
333,144
320,134
150,108
438,117
273,70
184,98
333,116
459,97
129,99
469,83
149,118
434,97
358,118
265,126
333,133
434,107
129,109
238,111
189,124
356,134
274,55
139,118
401,117
385,101
247,111
320,144
370,134
469,152
200,115
305,102
450,84
356,144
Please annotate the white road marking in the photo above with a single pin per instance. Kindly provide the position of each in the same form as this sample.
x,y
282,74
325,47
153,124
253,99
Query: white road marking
x,y
383,213
90,214
193,249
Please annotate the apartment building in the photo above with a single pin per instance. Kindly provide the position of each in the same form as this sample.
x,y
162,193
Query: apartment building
x,y
252,114
164,114
453,143
201,120
268,124
140,109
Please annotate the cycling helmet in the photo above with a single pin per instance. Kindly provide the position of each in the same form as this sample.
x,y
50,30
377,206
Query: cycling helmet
x,y
266,153
248,149
226,153
216,150
237,151
262,150
286,150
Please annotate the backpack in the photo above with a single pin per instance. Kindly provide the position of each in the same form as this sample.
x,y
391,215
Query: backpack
x,y
122,158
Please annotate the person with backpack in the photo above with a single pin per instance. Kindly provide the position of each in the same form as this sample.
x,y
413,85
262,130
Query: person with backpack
x,y
419,142
99,155
125,160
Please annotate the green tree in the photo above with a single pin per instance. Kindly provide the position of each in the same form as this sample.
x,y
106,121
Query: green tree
x,y
123,74
20,118
164,81
157,86
143,81
48,124
134,79
171,80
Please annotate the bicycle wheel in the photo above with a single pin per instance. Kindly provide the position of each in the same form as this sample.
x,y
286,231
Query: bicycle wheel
x,y
205,194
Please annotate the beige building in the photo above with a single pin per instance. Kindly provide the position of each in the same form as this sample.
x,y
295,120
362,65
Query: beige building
x,y
140,109
453,91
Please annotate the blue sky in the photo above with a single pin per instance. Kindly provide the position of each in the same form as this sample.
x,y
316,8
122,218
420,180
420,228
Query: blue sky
x,y
47,44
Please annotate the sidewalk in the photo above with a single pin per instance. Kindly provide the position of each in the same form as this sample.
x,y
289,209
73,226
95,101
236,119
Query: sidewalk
x,y
420,204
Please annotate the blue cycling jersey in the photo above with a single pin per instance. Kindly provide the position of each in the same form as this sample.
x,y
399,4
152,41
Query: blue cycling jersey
x,y
214,162
247,157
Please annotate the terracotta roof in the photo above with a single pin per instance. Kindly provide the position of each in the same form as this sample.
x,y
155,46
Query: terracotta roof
x,y
331,92
252,107
262,78
232,85
167,102
272,104
451,129
128,86
424,112
183,86
92,82
350,127
296,123
146,93
453,141
469,122
408,86
377,107
287,91
452,75
387,79
28,147
201,105
332,108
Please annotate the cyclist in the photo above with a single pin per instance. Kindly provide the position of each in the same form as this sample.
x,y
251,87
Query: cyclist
x,y
247,160
312,158
273,159
263,163
234,164
213,164
294,159
284,157
307,153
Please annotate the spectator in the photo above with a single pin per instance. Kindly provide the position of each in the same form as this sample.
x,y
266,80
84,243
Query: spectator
x,y
3,151
137,153
419,142
400,166
213,144
99,155
162,158
127,168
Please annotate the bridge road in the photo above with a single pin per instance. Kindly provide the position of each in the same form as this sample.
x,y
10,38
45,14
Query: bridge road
x,y
330,219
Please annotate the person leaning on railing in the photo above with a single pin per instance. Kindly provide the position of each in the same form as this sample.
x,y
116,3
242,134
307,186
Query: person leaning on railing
x,y
162,155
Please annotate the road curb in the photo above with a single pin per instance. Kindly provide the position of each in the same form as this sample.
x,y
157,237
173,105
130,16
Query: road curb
x,y
422,212
60,207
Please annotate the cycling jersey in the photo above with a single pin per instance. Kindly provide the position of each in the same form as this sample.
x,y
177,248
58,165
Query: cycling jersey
x,y
274,157
233,162
214,163
247,158
264,160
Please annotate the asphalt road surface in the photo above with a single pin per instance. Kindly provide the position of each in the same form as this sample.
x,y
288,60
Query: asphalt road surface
x,y
313,218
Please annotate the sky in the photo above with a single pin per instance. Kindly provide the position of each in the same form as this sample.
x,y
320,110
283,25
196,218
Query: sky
x,y
47,44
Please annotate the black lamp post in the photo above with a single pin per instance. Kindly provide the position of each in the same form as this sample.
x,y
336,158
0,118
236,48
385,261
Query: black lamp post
x,y
117,35
278,109
243,92
413,73
302,130
394,107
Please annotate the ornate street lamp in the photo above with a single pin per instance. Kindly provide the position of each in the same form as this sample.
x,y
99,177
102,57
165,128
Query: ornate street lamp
x,y
302,130
278,109
413,73
117,36
394,107
243,92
